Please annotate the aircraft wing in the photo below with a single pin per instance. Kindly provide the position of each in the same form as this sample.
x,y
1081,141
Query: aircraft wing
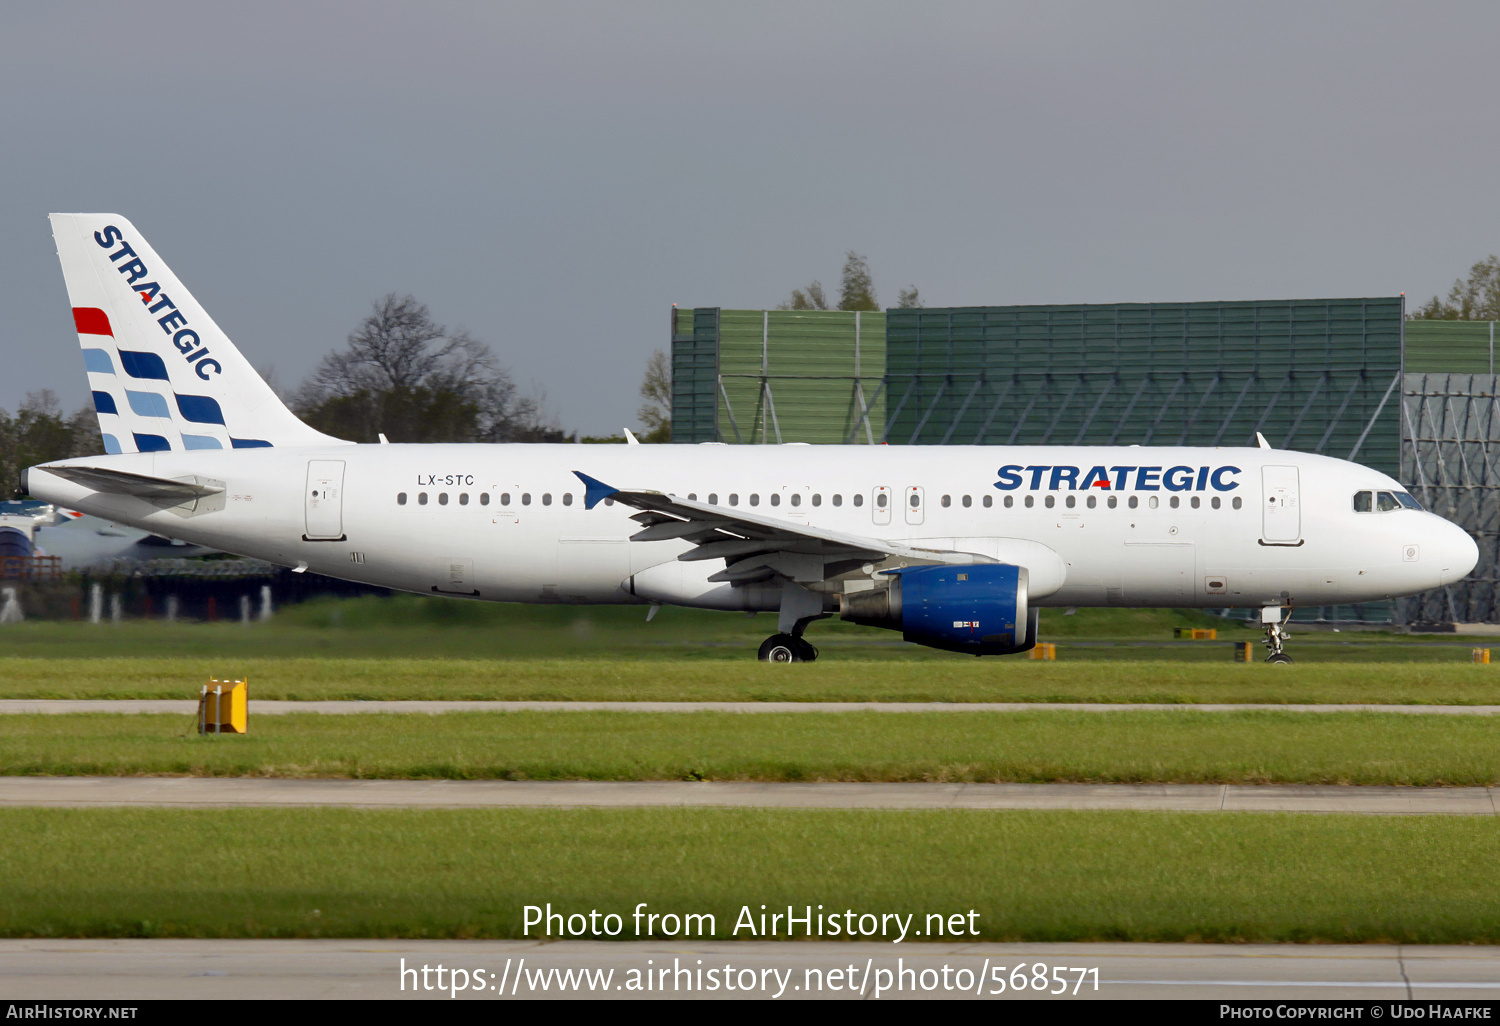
x,y
755,546
142,486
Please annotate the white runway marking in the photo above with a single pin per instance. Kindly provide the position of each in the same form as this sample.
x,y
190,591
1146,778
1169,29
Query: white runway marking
x,y
223,792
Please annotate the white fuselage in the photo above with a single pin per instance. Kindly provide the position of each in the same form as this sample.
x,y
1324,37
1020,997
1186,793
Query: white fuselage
x,y
508,523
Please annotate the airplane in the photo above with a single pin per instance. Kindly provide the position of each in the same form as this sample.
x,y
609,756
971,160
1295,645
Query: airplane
x,y
957,547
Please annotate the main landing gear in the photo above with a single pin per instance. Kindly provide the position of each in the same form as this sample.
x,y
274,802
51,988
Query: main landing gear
x,y
1276,636
787,648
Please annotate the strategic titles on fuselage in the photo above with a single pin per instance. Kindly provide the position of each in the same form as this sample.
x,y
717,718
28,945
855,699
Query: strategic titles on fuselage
x,y
1121,478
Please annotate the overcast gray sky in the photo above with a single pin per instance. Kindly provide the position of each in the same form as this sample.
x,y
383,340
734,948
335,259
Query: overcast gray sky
x,y
553,176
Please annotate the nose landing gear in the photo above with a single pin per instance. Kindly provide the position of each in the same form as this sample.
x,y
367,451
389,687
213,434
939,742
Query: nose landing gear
x,y
1276,636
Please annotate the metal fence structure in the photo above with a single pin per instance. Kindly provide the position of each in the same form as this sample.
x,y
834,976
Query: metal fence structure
x,y
753,376
1350,378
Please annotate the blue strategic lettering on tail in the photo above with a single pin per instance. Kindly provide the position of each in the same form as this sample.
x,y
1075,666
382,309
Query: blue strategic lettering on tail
x,y
172,320
1141,479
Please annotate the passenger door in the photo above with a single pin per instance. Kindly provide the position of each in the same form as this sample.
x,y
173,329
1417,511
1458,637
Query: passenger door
x,y
1280,507
324,500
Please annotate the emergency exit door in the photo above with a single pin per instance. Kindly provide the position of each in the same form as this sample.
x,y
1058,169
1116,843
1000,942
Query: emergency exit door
x,y
1280,506
324,497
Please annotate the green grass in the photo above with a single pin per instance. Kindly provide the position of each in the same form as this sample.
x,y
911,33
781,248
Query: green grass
x,y
435,628
1032,876
1181,747
625,679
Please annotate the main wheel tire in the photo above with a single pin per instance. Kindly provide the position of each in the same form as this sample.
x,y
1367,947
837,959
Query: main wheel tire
x,y
1280,659
781,648
806,651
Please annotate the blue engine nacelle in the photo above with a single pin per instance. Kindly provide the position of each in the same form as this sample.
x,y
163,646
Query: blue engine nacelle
x,y
977,608
15,543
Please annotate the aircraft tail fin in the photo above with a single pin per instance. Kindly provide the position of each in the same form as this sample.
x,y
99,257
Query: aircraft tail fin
x,y
163,374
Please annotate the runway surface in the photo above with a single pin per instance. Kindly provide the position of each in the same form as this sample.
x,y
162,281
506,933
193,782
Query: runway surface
x,y
270,707
371,969
221,792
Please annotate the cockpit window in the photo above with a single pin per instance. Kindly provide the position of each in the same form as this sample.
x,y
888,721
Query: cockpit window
x,y
1407,501
1363,502
1385,502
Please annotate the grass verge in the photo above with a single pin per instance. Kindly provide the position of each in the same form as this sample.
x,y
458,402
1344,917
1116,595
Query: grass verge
x,y
623,679
1032,876
1166,746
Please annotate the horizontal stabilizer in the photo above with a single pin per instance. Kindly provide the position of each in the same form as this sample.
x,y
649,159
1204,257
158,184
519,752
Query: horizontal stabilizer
x,y
118,482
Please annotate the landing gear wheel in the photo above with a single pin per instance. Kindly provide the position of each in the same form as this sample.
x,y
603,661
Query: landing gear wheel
x,y
805,650
1280,658
782,648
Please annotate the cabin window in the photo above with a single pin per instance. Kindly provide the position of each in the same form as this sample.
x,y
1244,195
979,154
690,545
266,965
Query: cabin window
x,y
1407,501
858,500
1010,500
734,498
609,502
1195,502
755,498
463,498
568,498
1030,501
1050,501
1093,500
947,501
1363,502
1070,501
526,498
505,498
1214,502
775,499
1134,501
880,500
713,498
796,499
916,500
546,498
1235,502
1174,502
1152,502
1385,502
401,498
838,500
817,499
692,497
484,498
442,498
989,500
1113,501
421,498
968,502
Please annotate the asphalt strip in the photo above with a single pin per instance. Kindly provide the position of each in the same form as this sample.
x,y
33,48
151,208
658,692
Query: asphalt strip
x,y
241,792
272,707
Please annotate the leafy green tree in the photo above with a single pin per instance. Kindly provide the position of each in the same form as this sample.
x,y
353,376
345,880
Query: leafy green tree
x,y
1476,298
810,298
656,413
857,289
405,376
39,433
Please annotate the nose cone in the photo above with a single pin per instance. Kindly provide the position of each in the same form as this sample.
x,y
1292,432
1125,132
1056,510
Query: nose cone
x,y
1457,553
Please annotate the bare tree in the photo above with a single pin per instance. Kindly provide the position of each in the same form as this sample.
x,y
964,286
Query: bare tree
x,y
656,413
406,376
909,298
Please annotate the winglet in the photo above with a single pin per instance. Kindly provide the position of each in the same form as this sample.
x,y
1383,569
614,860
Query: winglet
x,y
595,491
1260,440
